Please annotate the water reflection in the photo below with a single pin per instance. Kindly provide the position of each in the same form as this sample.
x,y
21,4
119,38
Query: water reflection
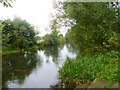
x,y
35,69
51,51
16,67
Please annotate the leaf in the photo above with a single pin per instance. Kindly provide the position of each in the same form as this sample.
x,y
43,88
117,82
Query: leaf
x,y
10,5
5,4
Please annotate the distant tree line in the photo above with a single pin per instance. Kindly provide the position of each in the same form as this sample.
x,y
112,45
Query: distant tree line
x,y
54,38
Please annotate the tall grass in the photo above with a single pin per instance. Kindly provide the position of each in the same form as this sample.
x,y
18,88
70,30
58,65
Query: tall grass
x,y
88,67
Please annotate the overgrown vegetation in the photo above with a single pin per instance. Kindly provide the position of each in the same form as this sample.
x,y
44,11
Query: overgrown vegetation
x,y
86,68
17,35
92,24
94,32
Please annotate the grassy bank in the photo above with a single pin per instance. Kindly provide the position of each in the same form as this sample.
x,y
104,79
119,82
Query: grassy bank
x,y
88,67
5,52
9,50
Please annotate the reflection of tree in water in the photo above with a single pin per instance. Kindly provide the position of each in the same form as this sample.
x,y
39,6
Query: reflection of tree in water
x,y
52,51
70,48
60,85
18,66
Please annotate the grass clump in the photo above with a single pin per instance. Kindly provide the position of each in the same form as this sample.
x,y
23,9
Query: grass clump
x,y
88,67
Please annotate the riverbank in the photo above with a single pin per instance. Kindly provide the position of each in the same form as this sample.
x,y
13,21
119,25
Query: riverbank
x,y
10,51
35,66
6,52
88,67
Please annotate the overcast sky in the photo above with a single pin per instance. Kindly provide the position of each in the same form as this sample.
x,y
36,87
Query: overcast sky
x,y
37,12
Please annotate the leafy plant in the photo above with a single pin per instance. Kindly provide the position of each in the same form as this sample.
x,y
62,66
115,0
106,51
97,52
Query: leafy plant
x,y
86,67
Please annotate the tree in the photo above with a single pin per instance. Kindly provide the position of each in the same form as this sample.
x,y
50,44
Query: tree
x,y
94,25
7,3
52,38
18,33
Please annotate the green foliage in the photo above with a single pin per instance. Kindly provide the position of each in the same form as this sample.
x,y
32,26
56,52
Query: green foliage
x,y
61,39
53,38
84,68
18,34
95,25
94,29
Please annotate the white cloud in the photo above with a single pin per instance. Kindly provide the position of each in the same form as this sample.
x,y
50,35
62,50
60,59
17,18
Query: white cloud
x,y
36,12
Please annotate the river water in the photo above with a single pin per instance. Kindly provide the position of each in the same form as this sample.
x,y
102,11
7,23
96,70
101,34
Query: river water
x,y
37,69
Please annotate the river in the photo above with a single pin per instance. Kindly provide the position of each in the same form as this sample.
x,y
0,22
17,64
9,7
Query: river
x,y
37,69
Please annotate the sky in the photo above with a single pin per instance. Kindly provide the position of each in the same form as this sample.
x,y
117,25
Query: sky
x,y
36,12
